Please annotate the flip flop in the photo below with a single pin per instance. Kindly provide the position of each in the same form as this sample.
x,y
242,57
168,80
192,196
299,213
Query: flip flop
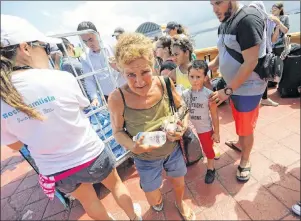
x,y
191,215
243,178
232,146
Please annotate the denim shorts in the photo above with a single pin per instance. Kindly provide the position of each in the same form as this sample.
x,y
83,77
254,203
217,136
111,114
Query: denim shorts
x,y
150,171
95,173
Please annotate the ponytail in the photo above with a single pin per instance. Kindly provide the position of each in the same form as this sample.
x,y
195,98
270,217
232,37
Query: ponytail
x,y
9,93
182,30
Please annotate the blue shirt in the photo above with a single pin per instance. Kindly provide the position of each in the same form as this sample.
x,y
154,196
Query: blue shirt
x,y
105,81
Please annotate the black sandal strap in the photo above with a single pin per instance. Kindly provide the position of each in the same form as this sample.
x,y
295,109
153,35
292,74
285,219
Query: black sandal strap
x,y
241,169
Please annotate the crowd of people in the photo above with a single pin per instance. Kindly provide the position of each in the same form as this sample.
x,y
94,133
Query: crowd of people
x,y
39,105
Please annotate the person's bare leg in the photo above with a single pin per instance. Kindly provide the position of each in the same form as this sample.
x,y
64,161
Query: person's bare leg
x,y
210,164
120,193
247,145
86,195
154,198
179,189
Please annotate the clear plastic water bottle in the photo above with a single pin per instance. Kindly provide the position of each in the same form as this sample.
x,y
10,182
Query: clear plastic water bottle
x,y
156,138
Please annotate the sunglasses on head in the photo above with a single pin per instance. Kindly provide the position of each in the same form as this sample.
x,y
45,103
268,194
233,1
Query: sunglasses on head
x,y
46,46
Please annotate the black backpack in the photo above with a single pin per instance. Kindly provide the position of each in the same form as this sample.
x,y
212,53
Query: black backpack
x,y
290,83
218,83
270,66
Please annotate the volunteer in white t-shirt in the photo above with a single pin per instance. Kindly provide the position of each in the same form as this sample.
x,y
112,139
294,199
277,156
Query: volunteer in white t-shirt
x,y
43,109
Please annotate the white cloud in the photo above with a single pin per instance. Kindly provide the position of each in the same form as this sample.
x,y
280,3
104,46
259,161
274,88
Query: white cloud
x,y
103,15
107,15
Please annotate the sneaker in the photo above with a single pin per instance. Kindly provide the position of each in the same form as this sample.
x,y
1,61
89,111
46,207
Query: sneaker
x,y
296,208
158,207
138,211
269,102
210,176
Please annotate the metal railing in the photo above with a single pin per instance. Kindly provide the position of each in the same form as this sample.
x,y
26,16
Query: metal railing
x,y
107,70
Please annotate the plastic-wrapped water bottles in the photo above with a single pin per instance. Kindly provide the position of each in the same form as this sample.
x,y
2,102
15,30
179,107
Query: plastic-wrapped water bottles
x,y
104,129
156,138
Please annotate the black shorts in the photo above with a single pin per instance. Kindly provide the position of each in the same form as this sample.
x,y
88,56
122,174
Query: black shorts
x,y
95,173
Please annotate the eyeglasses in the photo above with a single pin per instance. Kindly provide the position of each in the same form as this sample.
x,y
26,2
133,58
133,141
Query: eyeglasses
x,y
46,46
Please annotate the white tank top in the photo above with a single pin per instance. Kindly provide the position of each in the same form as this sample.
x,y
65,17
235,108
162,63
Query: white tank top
x,y
198,102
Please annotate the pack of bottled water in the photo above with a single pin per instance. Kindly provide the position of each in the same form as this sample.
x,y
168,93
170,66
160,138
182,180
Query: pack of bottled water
x,y
155,138
101,123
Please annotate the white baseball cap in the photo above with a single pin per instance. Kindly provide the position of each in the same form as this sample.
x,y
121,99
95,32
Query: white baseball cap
x,y
16,30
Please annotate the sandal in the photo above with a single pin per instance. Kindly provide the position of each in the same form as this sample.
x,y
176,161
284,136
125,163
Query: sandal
x,y
159,207
243,178
191,215
232,146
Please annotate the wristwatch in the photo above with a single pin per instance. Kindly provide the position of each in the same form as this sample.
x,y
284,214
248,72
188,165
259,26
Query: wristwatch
x,y
228,91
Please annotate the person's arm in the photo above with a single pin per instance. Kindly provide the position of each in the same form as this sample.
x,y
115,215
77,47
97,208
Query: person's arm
x,y
213,65
117,120
249,36
275,34
116,108
215,121
8,139
283,27
90,83
109,51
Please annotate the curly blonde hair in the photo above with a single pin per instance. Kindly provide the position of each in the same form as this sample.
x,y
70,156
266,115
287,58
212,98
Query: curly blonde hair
x,y
131,46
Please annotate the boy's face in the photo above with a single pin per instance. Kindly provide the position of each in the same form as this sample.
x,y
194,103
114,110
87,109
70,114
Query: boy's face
x,y
196,78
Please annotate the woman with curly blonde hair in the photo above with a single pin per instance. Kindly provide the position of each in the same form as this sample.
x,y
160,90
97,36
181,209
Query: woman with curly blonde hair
x,y
142,105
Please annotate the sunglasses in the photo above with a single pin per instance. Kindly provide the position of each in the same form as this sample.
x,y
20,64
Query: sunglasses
x,y
46,46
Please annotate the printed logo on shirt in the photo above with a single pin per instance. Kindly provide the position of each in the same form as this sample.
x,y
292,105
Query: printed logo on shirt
x,y
36,103
193,106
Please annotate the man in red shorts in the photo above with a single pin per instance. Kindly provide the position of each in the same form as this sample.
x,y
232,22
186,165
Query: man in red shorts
x,y
242,30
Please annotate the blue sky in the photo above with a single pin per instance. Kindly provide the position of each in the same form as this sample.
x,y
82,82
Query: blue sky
x,y
54,17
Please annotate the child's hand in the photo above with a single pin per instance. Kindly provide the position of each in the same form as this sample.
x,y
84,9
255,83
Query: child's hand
x,y
215,137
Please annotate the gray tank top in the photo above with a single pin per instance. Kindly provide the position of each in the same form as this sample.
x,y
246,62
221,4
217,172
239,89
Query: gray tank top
x,y
198,103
